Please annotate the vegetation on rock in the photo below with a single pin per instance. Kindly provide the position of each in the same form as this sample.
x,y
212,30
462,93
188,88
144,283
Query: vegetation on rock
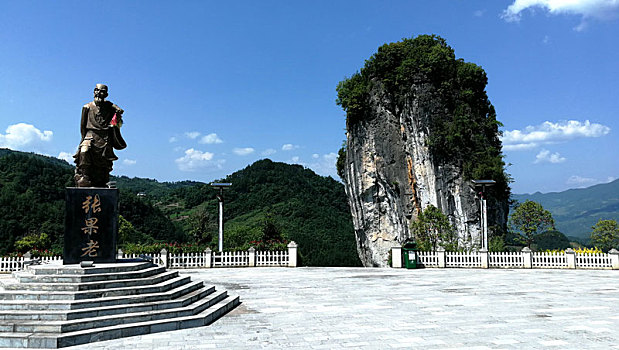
x,y
463,130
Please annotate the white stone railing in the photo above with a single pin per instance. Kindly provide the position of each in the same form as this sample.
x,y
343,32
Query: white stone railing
x,y
505,259
10,264
427,259
523,259
462,259
206,259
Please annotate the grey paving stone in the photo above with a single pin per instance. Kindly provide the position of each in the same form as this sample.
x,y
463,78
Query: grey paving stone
x,y
332,308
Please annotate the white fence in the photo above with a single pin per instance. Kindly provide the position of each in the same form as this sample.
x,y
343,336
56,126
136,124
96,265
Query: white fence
x,y
523,259
209,258
505,259
206,259
10,264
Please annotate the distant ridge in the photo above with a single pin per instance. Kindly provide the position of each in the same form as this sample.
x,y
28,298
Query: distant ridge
x,y
50,159
576,210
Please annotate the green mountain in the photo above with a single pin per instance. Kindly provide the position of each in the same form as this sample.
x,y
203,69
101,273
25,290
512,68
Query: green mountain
x,y
292,202
576,210
309,209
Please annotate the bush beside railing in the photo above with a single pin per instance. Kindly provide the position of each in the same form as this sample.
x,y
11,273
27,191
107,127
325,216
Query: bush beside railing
x,y
523,259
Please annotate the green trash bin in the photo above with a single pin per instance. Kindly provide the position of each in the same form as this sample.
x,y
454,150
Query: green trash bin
x,y
409,255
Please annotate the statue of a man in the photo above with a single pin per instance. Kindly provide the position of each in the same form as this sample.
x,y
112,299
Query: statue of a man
x,y
100,128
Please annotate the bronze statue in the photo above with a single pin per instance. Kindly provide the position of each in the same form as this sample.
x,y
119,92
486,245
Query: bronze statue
x,y
100,128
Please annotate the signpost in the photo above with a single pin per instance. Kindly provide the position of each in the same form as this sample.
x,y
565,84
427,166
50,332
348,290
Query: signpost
x,y
220,198
484,212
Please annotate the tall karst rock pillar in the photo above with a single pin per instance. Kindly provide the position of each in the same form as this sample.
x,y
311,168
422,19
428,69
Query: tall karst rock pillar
x,y
420,127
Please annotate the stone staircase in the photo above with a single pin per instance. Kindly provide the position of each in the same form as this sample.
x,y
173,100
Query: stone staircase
x,y
53,306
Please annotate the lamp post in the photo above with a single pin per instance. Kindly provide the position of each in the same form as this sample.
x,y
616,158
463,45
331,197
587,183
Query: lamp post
x,y
484,212
220,198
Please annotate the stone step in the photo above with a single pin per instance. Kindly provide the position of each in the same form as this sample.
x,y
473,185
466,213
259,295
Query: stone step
x,y
59,315
84,286
57,269
80,295
29,326
21,304
29,277
51,340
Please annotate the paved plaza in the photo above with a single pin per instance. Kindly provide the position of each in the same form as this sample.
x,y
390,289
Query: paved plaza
x,y
335,308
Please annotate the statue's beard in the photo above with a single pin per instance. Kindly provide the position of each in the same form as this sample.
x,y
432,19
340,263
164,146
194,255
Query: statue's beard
x,y
98,99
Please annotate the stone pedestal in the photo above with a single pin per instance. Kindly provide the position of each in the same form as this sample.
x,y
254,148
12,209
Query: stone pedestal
x,y
91,225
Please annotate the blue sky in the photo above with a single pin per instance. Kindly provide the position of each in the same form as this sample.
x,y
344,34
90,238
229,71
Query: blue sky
x,y
209,87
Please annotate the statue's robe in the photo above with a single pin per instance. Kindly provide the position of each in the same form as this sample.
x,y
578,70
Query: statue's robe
x,y
95,154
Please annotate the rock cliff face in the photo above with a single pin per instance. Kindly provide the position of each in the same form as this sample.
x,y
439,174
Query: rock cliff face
x,y
391,175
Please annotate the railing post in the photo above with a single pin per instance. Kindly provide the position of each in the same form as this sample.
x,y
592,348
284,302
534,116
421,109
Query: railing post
x,y
208,257
614,258
396,256
164,257
292,254
527,257
440,252
119,254
570,254
252,256
484,258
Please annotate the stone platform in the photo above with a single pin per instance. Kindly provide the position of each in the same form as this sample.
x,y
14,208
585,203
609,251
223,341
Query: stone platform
x,y
357,308
53,306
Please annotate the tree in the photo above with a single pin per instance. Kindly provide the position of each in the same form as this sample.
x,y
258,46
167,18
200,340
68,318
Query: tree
x,y
33,241
270,231
202,225
551,240
432,229
340,164
605,235
528,220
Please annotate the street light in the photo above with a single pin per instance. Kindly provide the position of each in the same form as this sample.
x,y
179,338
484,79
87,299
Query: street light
x,y
220,198
484,213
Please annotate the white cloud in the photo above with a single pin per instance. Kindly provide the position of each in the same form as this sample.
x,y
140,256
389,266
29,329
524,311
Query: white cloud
x,y
66,156
598,9
546,39
243,151
196,159
129,162
268,152
549,132
325,165
295,159
211,139
479,13
544,156
315,155
173,139
192,134
580,181
24,137
289,147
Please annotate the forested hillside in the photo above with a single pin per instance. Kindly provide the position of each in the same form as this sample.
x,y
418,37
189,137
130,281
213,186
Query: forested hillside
x,y
287,201
576,210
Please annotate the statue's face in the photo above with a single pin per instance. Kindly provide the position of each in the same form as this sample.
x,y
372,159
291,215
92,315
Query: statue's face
x,y
100,92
